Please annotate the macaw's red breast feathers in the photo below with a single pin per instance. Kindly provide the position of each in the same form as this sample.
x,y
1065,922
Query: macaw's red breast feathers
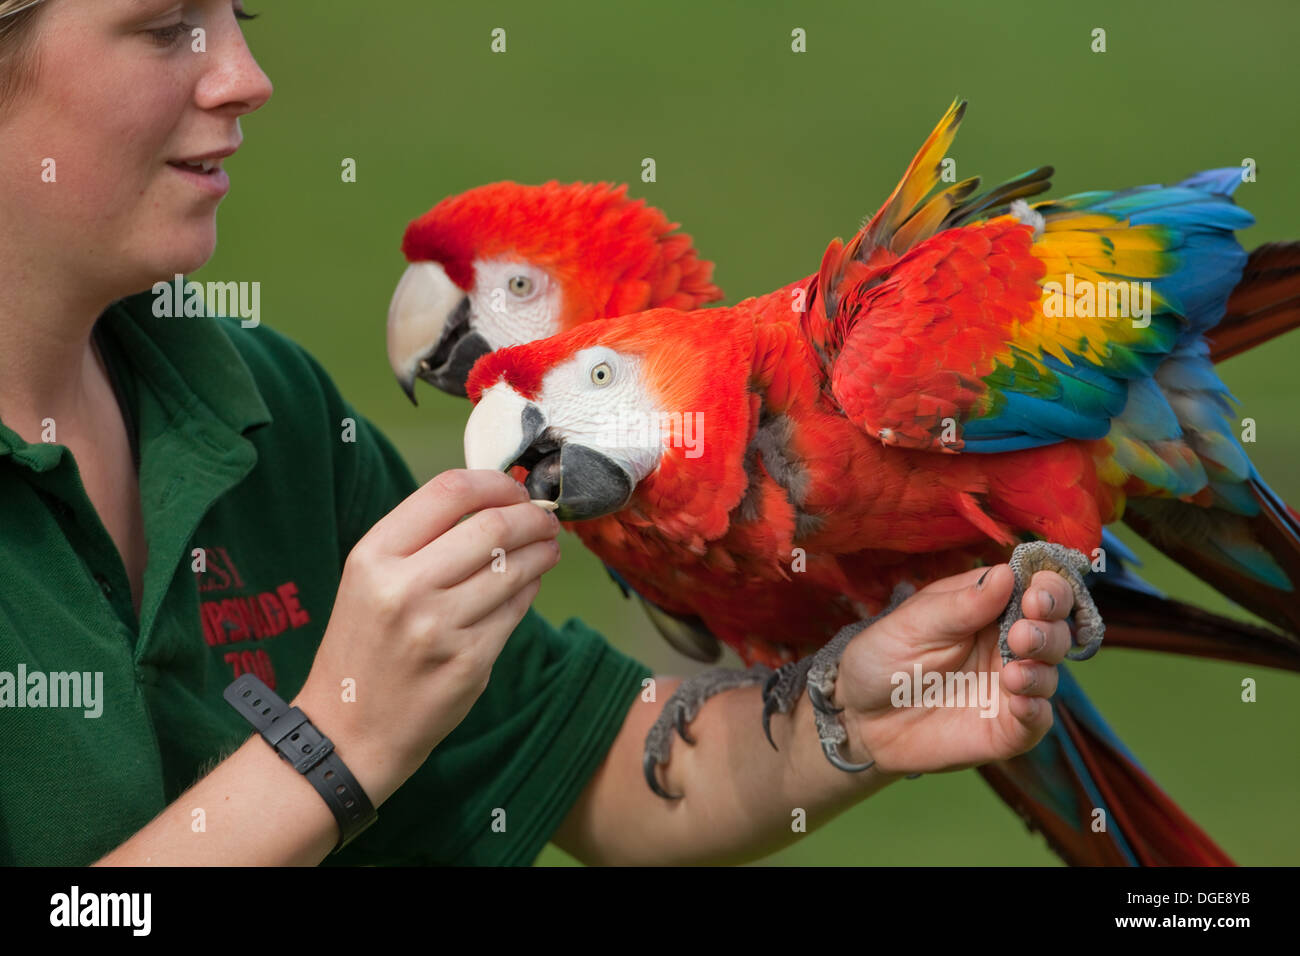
x,y
612,255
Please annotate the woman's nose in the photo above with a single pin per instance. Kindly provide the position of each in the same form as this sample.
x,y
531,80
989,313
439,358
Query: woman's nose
x,y
234,79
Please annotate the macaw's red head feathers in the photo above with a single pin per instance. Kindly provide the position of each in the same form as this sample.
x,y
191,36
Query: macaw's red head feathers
x,y
614,255
505,264
654,405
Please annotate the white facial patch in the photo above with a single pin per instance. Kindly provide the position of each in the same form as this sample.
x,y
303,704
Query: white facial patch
x,y
599,399
513,303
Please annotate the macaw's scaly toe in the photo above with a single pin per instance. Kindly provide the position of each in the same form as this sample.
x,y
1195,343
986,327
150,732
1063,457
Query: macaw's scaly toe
x,y
1034,556
782,690
821,684
681,708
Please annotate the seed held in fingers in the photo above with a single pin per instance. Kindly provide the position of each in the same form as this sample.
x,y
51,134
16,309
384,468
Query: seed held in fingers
x,y
544,504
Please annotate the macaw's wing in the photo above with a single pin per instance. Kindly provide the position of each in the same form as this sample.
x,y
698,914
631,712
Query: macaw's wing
x,y
955,333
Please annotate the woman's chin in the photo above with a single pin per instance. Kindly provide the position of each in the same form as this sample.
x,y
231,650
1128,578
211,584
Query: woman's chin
x,y
187,254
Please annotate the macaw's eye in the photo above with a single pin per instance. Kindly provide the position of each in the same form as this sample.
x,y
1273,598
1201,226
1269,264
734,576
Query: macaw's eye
x,y
602,374
520,285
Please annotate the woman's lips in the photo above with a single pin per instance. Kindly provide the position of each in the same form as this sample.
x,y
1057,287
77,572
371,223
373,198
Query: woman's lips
x,y
215,182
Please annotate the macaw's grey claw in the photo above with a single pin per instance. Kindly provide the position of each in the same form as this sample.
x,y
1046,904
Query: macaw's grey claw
x,y
822,705
770,707
680,709
832,752
782,690
821,684
648,766
1034,556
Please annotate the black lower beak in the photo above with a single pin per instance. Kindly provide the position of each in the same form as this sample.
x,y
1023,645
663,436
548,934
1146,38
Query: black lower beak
x,y
447,366
583,482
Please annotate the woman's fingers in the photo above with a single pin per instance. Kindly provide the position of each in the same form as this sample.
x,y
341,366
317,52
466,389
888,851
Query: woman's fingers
x,y
1046,641
1048,597
488,635
485,590
1034,717
1030,678
963,580
437,505
473,543
956,613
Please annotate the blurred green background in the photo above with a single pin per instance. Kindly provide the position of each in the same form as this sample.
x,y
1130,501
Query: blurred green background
x,y
763,155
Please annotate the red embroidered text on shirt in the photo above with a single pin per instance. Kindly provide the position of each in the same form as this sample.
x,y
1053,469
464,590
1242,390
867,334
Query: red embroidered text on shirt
x,y
241,618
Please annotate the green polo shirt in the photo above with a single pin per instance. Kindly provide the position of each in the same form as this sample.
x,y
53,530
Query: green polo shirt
x,y
243,455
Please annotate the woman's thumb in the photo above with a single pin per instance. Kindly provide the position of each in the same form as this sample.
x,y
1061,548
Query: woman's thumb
x,y
966,610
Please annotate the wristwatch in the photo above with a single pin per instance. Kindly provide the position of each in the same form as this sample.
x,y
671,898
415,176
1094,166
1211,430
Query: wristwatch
x,y
288,730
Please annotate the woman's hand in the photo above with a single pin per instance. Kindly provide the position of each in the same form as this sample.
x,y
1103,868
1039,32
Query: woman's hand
x,y
420,617
950,628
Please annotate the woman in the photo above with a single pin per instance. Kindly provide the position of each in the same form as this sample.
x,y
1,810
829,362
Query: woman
x,y
185,500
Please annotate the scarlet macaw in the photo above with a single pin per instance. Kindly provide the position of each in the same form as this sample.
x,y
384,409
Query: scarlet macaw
x,y
505,264
1054,395
588,252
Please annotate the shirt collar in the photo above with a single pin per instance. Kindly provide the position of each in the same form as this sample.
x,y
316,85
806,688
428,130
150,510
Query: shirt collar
x,y
187,361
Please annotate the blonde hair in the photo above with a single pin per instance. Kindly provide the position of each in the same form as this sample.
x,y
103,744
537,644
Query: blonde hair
x,y
17,60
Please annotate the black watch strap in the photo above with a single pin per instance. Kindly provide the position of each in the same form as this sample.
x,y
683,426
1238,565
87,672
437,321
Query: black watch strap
x,y
311,753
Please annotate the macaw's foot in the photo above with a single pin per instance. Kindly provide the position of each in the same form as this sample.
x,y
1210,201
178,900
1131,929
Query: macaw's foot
x,y
1034,556
782,690
821,683
681,708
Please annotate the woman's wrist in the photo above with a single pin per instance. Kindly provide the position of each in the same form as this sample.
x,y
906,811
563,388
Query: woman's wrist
x,y
377,771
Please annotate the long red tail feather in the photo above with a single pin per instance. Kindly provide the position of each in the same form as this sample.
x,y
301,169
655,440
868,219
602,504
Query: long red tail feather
x,y
1265,303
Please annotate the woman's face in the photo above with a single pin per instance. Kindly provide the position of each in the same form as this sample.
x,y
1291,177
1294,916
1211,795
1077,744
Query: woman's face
x,y
119,100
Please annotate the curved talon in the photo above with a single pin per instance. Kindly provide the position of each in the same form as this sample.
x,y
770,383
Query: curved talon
x,y
1084,652
832,752
770,707
680,723
820,702
648,765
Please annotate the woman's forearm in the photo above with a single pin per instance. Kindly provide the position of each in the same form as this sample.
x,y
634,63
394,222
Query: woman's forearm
x,y
740,797
256,811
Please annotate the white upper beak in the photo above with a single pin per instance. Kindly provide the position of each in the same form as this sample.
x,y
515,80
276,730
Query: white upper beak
x,y
494,434
421,304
